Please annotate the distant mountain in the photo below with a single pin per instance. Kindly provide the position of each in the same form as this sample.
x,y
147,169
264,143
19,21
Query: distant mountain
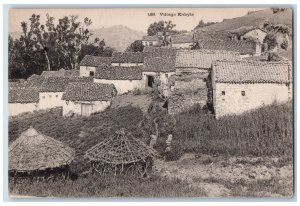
x,y
255,19
118,37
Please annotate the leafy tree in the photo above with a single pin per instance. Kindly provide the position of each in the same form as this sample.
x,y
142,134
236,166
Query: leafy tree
x,y
96,49
52,47
161,26
136,46
284,45
202,24
271,41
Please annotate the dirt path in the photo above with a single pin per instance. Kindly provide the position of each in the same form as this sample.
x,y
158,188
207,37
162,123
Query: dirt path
x,y
225,177
141,101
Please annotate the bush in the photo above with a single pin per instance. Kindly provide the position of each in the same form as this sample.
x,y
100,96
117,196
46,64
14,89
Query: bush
x,y
284,45
136,92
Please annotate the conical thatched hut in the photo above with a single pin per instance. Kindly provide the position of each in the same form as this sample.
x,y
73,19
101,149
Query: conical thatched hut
x,y
121,153
33,152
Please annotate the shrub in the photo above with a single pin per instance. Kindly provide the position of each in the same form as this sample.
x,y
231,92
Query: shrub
x,y
284,45
136,91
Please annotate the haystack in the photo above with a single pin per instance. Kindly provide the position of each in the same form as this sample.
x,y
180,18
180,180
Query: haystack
x,y
121,153
33,151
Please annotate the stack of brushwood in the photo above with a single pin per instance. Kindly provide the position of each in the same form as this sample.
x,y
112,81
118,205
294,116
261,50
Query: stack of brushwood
x,y
121,154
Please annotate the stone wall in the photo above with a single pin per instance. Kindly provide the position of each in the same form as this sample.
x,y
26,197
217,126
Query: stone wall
x,y
190,87
238,98
181,102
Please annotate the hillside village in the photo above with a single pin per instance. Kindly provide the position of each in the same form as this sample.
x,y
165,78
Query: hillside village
x,y
200,113
182,76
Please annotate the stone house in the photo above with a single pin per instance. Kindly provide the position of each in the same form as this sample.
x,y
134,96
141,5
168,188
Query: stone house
x,y
157,71
218,41
192,83
86,98
22,100
125,79
151,41
183,41
240,86
248,32
89,64
127,59
51,92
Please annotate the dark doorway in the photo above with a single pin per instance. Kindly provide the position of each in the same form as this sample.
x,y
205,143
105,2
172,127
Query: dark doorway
x,y
92,73
150,81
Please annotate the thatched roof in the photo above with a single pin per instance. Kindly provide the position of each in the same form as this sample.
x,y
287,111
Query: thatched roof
x,y
35,151
120,148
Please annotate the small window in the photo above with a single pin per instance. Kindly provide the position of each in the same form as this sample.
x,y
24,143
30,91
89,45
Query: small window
x,y
50,96
56,95
92,73
150,43
166,75
130,80
204,80
43,97
243,93
223,92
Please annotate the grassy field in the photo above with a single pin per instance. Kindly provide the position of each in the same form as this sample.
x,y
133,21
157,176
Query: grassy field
x,y
97,186
264,133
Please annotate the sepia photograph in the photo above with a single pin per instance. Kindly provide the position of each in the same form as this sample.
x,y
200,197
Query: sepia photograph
x,y
151,102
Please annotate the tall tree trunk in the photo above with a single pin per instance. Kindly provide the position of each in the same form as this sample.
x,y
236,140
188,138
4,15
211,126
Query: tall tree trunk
x,y
48,62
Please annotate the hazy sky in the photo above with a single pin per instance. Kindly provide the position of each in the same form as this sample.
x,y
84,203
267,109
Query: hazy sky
x,y
134,18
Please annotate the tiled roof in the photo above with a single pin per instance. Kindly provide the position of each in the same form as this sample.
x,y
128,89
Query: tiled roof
x,y
127,57
35,81
243,30
119,73
222,41
88,91
150,38
23,95
182,38
160,64
81,79
89,60
243,47
202,58
60,73
14,85
55,84
151,51
251,72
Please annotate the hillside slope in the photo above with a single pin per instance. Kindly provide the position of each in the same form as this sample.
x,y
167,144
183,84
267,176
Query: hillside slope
x,y
118,37
254,19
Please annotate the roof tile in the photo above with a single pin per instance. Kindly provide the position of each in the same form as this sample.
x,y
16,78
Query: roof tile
x,y
251,72
202,58
89,91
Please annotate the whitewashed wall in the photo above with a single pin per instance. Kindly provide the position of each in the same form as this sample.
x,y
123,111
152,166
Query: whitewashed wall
x,y
150,43
19,108
50,99
75,106
126,64
256,95
123,86
85,71
182,45
256,34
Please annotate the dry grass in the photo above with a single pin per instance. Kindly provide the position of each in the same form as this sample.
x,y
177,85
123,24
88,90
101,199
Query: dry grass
x,y
108,186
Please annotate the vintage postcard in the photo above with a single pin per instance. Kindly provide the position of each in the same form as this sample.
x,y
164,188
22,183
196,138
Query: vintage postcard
x,y
151,103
